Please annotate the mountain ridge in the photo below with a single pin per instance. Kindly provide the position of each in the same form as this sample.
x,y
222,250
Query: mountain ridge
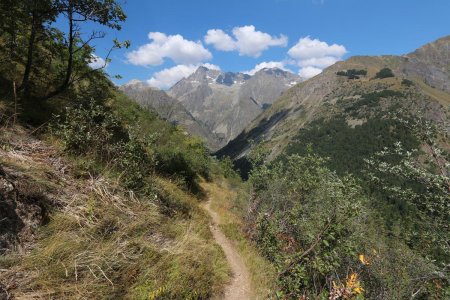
x,y
316,97
226,102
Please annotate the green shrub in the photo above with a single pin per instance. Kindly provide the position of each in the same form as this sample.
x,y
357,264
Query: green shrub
x,y
325,234
352,73
184,165
135,162
90,129
177,155
94,131
407,82
305,220
384,73
226,166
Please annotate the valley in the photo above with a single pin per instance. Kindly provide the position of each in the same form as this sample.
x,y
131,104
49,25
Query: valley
x,y
248,162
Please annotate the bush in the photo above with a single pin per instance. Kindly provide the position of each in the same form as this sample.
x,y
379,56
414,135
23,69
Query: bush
x,y
384,73
227,168
327,237
352,73
407,82
184,162
93,130
305,220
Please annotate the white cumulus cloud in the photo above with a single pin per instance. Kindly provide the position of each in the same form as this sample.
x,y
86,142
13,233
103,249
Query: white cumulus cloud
x,y
308,72
220,40
246,40
267,64
166,78
163,46
96,62
313,55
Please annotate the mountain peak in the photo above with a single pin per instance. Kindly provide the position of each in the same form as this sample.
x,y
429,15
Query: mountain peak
x,y
202,69
134,81
441,44
202,75
136,84
274,71
230,78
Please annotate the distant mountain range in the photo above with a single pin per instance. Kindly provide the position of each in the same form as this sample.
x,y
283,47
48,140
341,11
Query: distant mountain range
x,y
212,104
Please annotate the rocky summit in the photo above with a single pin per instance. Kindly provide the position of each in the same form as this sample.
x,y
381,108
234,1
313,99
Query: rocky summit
x,y
227,102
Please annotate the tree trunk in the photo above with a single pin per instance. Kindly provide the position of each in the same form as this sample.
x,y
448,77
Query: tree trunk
x,y
26,75
71,41
69,69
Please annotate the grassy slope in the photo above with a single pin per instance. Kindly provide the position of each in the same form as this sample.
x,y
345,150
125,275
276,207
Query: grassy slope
x,y
100,240
103,242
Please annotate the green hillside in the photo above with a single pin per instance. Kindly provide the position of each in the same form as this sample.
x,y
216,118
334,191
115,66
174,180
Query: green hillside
x,y
345,192
349,179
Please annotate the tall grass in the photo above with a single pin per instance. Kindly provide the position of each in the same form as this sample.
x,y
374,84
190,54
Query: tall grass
x,y
102,241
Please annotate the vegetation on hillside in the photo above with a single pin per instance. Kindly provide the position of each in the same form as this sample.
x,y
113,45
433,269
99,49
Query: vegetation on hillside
x,y
384,73
100,239
352,73
330,238
347,146
356,211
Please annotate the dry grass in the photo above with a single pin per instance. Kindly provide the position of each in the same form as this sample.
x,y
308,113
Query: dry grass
x,y
225,201
438,95
106,242
123,247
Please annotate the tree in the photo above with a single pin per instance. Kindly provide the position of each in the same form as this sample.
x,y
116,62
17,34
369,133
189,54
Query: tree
x,y
40,13
36,54
420,180
12,20
104,12
384,73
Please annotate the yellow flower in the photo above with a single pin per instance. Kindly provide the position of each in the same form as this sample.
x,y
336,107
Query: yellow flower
x,y
351,279
335,286
363,260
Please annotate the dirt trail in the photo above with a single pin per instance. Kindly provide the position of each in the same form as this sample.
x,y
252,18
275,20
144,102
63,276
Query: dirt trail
x,y
240,287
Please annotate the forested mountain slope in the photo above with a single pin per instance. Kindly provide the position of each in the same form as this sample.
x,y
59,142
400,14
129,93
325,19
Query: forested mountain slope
x,y
419,84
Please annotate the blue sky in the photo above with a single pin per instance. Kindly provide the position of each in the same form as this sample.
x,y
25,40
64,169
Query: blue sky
x,y
303,36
